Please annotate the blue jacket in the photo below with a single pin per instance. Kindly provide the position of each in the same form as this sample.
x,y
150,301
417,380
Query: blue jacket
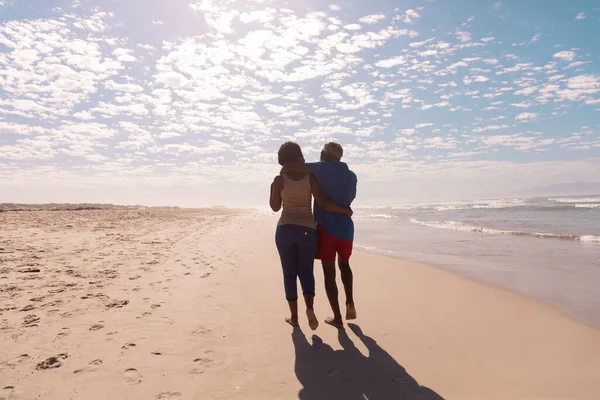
x,y
339,185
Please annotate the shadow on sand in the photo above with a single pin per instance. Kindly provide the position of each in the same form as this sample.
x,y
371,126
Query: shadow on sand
x,y
347,374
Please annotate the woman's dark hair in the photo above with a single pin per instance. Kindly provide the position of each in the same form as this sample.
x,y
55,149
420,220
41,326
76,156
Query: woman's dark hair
x,y
288,152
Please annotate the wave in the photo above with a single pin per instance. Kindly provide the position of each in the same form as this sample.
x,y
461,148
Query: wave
x,y
578,200
459,205
386,216
587,205
462,226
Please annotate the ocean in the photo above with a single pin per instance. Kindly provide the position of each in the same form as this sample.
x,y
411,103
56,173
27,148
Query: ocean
x,y
544,248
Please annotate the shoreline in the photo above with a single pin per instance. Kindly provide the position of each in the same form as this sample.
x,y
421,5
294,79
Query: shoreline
x,y
443,268
189,304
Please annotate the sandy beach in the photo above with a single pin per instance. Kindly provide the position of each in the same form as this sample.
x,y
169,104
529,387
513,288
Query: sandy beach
x,y
188,304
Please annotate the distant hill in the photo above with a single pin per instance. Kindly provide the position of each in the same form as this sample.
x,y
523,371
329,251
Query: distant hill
x,y
63,207
562,189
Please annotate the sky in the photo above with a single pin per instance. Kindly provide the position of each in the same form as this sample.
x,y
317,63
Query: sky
x,y
186,102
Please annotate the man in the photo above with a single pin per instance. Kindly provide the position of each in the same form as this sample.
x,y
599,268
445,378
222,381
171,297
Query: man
x,y
335,231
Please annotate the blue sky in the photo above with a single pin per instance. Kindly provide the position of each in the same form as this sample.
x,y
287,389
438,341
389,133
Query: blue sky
x,y
186,102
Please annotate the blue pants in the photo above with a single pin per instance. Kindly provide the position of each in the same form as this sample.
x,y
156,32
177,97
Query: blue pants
x,y
297,246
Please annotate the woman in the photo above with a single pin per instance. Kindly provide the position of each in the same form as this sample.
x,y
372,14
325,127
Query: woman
x,y
296,236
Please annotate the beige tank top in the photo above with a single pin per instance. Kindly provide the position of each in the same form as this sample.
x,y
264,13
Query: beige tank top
x,y
296,196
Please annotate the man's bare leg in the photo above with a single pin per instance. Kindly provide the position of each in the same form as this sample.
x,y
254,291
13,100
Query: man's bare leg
x,y
293,320
347,280
313,322
332,294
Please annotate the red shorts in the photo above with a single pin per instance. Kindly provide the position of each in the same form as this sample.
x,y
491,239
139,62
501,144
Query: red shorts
x,y
330,245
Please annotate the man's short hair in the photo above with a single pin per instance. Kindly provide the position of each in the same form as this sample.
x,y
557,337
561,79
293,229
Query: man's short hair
x,y
332,152
289,152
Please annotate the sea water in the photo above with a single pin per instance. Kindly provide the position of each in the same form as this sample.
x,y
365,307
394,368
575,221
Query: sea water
x,y
544,248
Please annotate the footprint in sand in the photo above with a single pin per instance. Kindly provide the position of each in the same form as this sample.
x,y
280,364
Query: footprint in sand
x,y
200,331
64,332
91,367
202,365
117,304
6,393
128,346
31,321
52,362
168,395
144,314
154,306
15,361
96,327
206,275
132,376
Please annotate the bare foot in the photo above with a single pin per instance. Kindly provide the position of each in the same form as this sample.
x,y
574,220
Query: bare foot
x,y
350,312
313,322
292,322
335,322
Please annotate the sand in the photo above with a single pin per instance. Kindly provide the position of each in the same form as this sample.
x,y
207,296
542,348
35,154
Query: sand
x,y
188,304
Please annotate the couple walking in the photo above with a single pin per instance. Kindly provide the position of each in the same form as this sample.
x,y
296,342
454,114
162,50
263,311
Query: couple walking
x,y
300,241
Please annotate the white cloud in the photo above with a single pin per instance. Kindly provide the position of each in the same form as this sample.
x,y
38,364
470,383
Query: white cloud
x,y
391,62
463,36
408,17
352,27
429,53
526,116
424,42
371,19
171,79
408,131
565,55
580,16
490,128
335,7
423,125
262,16
477,78
411,15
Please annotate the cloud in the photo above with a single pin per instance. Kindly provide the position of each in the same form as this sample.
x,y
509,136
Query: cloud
x,y
490,128
580,16
526,116
565,55
478,78
391,62
463,36
352,27
423,125
371,19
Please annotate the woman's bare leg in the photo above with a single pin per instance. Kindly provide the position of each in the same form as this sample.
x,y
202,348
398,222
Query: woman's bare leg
x,y
313,322
293,319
